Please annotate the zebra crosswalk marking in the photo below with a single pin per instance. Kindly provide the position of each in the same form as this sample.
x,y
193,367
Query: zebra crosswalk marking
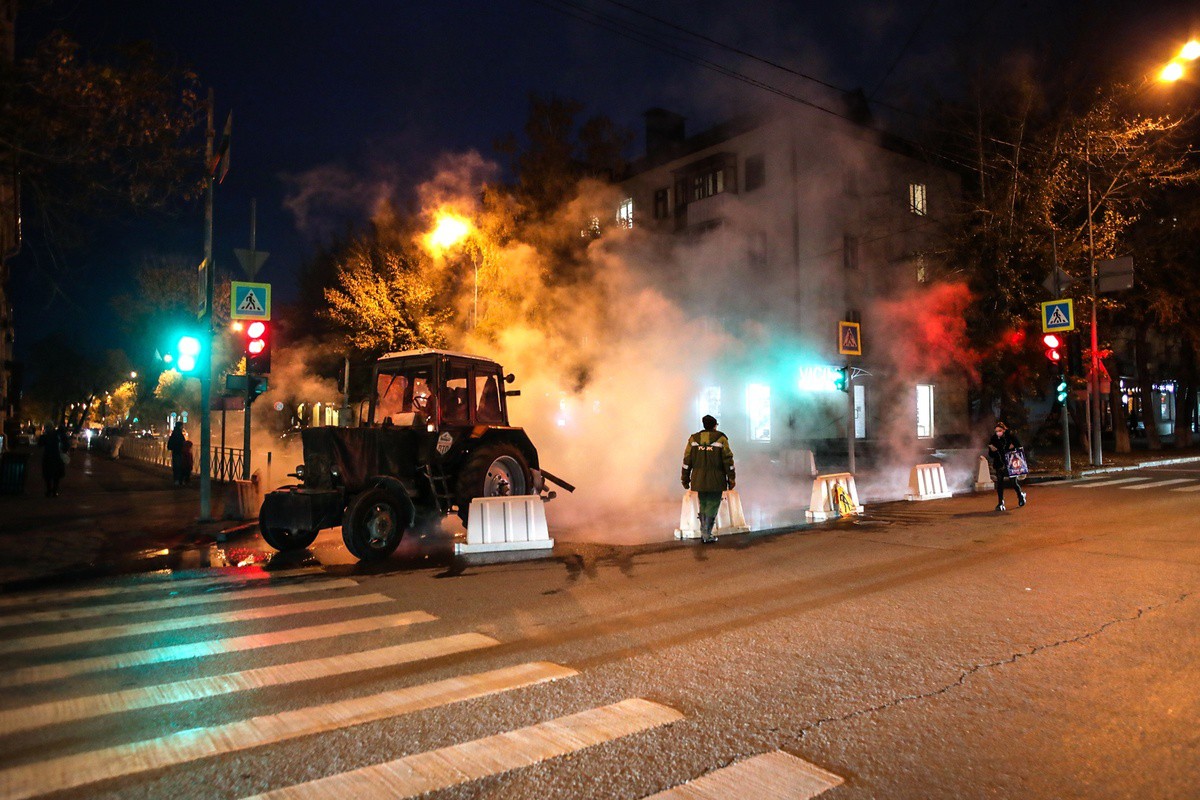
x,y
55,713
168,585
82,769
171,603
1098,484
1157,484
770,776
1195,488
159,655
450,766
180,623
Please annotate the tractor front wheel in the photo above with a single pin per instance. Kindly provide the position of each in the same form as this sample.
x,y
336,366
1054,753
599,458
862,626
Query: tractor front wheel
x,y
373,525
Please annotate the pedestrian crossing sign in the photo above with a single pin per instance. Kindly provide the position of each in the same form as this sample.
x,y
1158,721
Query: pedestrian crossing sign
x,y
250,300
1058,316
849,338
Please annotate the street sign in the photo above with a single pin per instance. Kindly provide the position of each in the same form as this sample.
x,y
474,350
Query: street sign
x,y
250,300
1114,274
251,260
1058,281
849,338
1058,316
202,289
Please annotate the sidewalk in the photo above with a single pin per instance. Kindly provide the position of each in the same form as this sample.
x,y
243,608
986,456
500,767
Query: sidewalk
x,y
110,517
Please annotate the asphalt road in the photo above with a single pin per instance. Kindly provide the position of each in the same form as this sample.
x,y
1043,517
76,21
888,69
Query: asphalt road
x,y
931,650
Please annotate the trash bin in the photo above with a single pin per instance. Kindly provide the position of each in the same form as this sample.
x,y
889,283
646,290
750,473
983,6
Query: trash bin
x,y
13,467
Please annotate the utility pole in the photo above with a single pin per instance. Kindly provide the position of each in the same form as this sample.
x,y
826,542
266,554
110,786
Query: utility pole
x,y
1062,372
206,331
1094,380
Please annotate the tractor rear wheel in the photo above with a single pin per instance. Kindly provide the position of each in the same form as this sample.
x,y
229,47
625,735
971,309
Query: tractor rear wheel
x,y
497,470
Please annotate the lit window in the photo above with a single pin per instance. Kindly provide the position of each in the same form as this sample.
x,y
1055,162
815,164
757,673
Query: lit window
x,y
625,213
758,410
917,201
924,411
709,402
592,231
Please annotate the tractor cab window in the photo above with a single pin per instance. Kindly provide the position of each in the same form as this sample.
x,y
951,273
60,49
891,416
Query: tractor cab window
x,y
487,399
405,396
455,396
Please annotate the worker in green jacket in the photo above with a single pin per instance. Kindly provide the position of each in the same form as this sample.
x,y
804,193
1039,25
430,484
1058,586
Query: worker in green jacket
x,y
708,469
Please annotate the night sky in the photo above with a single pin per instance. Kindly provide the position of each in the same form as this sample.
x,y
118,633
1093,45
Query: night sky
x,y
368,93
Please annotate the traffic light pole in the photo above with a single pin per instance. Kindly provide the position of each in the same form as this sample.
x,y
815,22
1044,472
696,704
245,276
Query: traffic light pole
x,y
850,415
207,332
1094,380
1062,375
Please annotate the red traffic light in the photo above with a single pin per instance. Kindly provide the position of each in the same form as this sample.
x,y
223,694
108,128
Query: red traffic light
x,y
258,348
1052,344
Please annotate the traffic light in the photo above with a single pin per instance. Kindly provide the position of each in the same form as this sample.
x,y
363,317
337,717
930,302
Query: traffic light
x,y
1053,346
258,348
188,349
840,381
1062,389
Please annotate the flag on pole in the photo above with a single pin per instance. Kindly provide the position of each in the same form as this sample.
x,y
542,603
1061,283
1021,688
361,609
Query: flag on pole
x,y
220,163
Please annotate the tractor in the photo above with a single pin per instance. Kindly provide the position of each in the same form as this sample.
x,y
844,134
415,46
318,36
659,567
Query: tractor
x,y
436,436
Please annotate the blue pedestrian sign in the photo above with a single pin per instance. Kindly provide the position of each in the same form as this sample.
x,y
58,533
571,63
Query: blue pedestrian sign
x,y
250,300
1058,316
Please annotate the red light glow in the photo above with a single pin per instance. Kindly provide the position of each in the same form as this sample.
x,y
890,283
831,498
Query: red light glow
x,y
256,330
1050,340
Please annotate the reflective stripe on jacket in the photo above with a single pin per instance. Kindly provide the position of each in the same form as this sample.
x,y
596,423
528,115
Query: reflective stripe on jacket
x,y
708,461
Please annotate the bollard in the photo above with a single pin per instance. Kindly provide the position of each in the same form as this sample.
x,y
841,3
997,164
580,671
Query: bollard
x,y
821,507
499,524
928,482
730,516
983,478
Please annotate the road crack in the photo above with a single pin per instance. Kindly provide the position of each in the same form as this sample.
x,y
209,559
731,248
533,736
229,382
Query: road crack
x,y
967,673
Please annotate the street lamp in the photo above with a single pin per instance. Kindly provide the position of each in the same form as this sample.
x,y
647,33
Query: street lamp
x,y
1174,70
448,231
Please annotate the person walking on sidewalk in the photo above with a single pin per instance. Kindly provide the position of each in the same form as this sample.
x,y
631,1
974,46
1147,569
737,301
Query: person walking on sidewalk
x,y
54,458
175,444
708,470
189,461
1004,441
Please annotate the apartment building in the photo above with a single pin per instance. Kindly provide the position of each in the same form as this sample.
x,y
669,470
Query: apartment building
x,y
785,225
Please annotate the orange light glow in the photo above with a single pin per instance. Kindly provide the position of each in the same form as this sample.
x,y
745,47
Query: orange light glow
x,y
1191,50
449,230
1171,72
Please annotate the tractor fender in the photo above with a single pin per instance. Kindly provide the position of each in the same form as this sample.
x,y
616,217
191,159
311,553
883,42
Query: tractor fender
x,y
396,487
514,436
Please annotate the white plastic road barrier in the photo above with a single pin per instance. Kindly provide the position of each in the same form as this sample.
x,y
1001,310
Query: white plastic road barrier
x,y
730,516
243,500
821,506
499,524
928,482
983,479
800,462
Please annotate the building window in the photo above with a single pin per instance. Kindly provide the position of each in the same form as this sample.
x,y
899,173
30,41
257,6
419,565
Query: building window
x,y
708,184
625,213
917,201
924,411
758,410
592,231
662,203
756,173
709,402
850,251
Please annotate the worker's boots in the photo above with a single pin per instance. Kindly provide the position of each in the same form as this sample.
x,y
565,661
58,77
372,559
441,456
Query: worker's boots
x,y
706,526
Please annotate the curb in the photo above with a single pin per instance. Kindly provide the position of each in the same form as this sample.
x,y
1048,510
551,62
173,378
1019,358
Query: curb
x,y
1141,465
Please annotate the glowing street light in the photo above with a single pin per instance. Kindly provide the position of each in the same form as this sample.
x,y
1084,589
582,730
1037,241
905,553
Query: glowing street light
x,y
1174,70
1171,72
1191,50
448,231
